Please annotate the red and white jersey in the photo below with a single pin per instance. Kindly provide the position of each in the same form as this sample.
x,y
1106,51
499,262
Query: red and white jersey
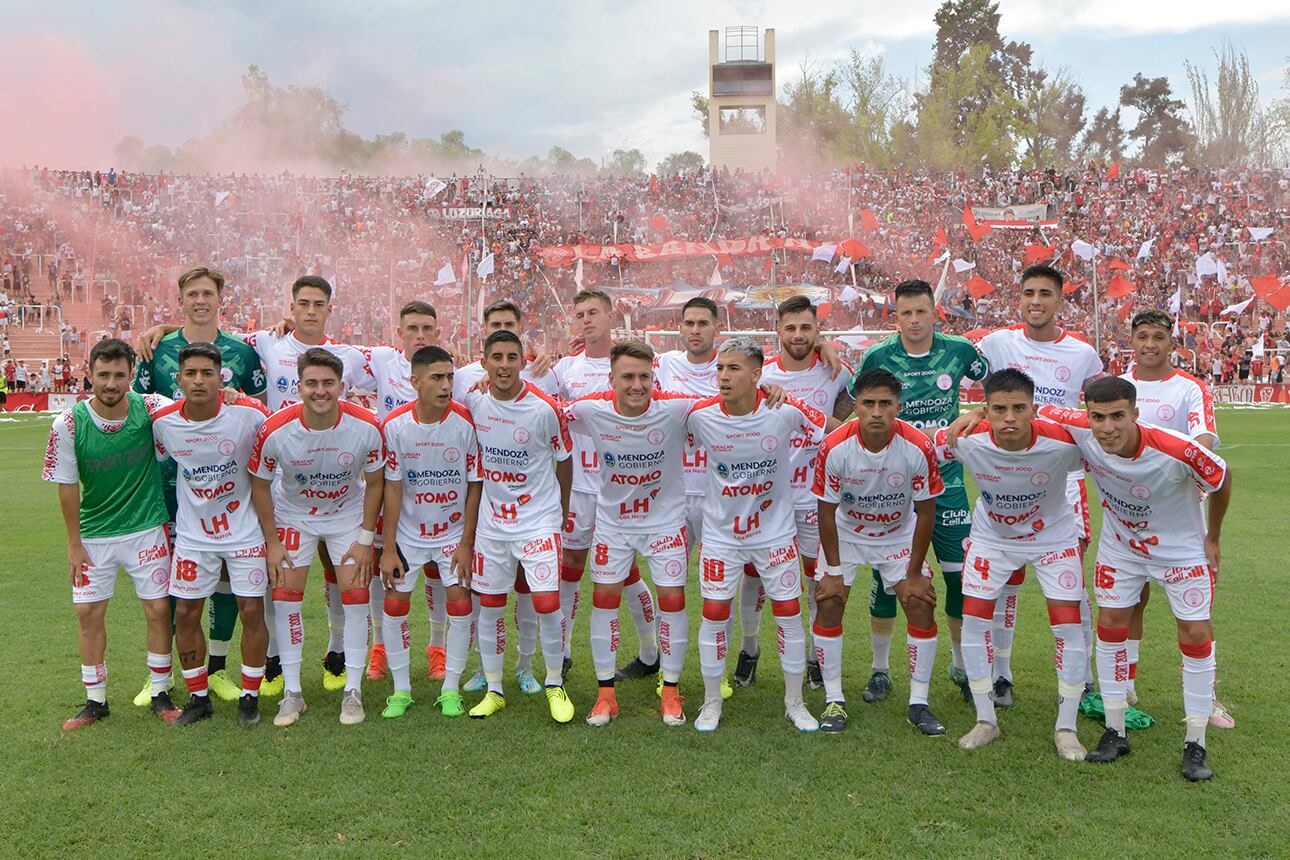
x,y
673,371
213,485
1179,402
748,501
875,491
280,354
640,460
60,465
434,462
579,376
320,471
1022,493
520,441
465,377
389,371
814,386
1059,368
1148,500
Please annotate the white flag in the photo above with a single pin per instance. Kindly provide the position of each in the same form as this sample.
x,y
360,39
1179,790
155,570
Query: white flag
x,y
961,266
823,253
577,273
1258,234
220,197
433,187
485,267
1206,265
843,265
1175,301
1083,249
1145,250
848,295
715,279
1257,350
446,275
1236,309
945,255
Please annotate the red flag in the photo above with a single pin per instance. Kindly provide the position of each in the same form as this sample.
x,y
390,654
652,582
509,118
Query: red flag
x,y
976,231
659,223
1114,172
770,263
1119,266
1119,287
940,238
725,259
852,248
1070,287
1039,253
868,221
823,310
1272,291
1126,309
978,287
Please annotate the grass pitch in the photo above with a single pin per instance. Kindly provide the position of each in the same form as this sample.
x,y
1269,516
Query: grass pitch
x,y
518,785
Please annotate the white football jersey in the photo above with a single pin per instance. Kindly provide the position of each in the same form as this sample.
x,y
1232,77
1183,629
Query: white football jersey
x,y
673,371
1059,368
1148,501
465,377
520,441
389,371
280,354
875,491
579,376
213,484
60,465
1022,493
640,460
434,462
320,471
1179,402
814,386
748,502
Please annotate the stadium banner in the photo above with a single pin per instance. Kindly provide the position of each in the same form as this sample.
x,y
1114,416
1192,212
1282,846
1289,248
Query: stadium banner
x,y
1023,216
467,213
1257,393
765,298
559,256
30,401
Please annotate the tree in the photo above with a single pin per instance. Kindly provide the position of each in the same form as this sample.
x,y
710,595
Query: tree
x,y
1163,132
699,103
878,102
813,127
1053,113
961,25
945,139
626,162
1231,125
680,164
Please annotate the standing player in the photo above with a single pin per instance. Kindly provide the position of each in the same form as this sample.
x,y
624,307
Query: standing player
x,y
1178,401
201,292
583,373
109,489
638,436
524,461
319,457
216,528
877,481
931,367
748,519
1022,517
432,495
1152,530
1060,363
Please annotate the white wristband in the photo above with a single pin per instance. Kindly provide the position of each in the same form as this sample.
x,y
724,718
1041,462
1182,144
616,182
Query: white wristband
x,y
832,570
366,537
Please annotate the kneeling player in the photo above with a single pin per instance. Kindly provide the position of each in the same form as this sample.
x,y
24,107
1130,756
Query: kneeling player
x,y
1022,517
639,437
431,454
748,519
330,456
877,481
215,523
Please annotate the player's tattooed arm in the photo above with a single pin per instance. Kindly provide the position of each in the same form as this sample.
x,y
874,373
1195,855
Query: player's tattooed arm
x,y
392,567
915,586
275,552
465,554
1218,502
78,558
842,409
828,354
149,339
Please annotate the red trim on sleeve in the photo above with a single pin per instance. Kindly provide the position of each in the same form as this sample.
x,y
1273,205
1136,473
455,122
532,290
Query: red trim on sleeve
x,y
1206,469
1050,430
919,440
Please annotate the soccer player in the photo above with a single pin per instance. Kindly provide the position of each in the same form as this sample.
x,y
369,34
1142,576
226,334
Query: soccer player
x,y
1174,399
432,493
748,518
319,456
525,454
1152,530
201,292
638,436
1021,517
877,482
582,373
931,367
109,489
216,528
1060,363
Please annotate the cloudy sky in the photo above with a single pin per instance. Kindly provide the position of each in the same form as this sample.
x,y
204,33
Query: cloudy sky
x,y
521,77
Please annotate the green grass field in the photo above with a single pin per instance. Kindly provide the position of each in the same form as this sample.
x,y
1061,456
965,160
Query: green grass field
x,y
519,786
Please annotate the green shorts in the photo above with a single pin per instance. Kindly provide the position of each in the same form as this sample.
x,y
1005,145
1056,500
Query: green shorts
x,y
953,524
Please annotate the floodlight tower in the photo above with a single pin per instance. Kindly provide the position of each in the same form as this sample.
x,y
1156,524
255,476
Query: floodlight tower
x,y
741,98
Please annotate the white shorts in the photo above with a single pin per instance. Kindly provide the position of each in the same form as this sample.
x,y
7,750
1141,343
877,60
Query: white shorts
x,y
694,519
195,573
302,542
891,561
581,524
145,555
986,570
1118,584
495,560
720,569
1077,495
668,554
808,531
415,557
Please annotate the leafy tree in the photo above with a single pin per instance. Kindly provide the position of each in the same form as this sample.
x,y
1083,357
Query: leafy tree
x,y
1104,140
626,162
946,138
1162,130
878,103
680,164
1231,124
699,103
1053,114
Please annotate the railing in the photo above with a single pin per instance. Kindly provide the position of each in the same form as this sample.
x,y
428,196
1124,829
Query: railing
x,y
44,316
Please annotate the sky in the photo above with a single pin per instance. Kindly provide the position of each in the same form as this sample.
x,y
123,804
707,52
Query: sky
x,y
519,77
